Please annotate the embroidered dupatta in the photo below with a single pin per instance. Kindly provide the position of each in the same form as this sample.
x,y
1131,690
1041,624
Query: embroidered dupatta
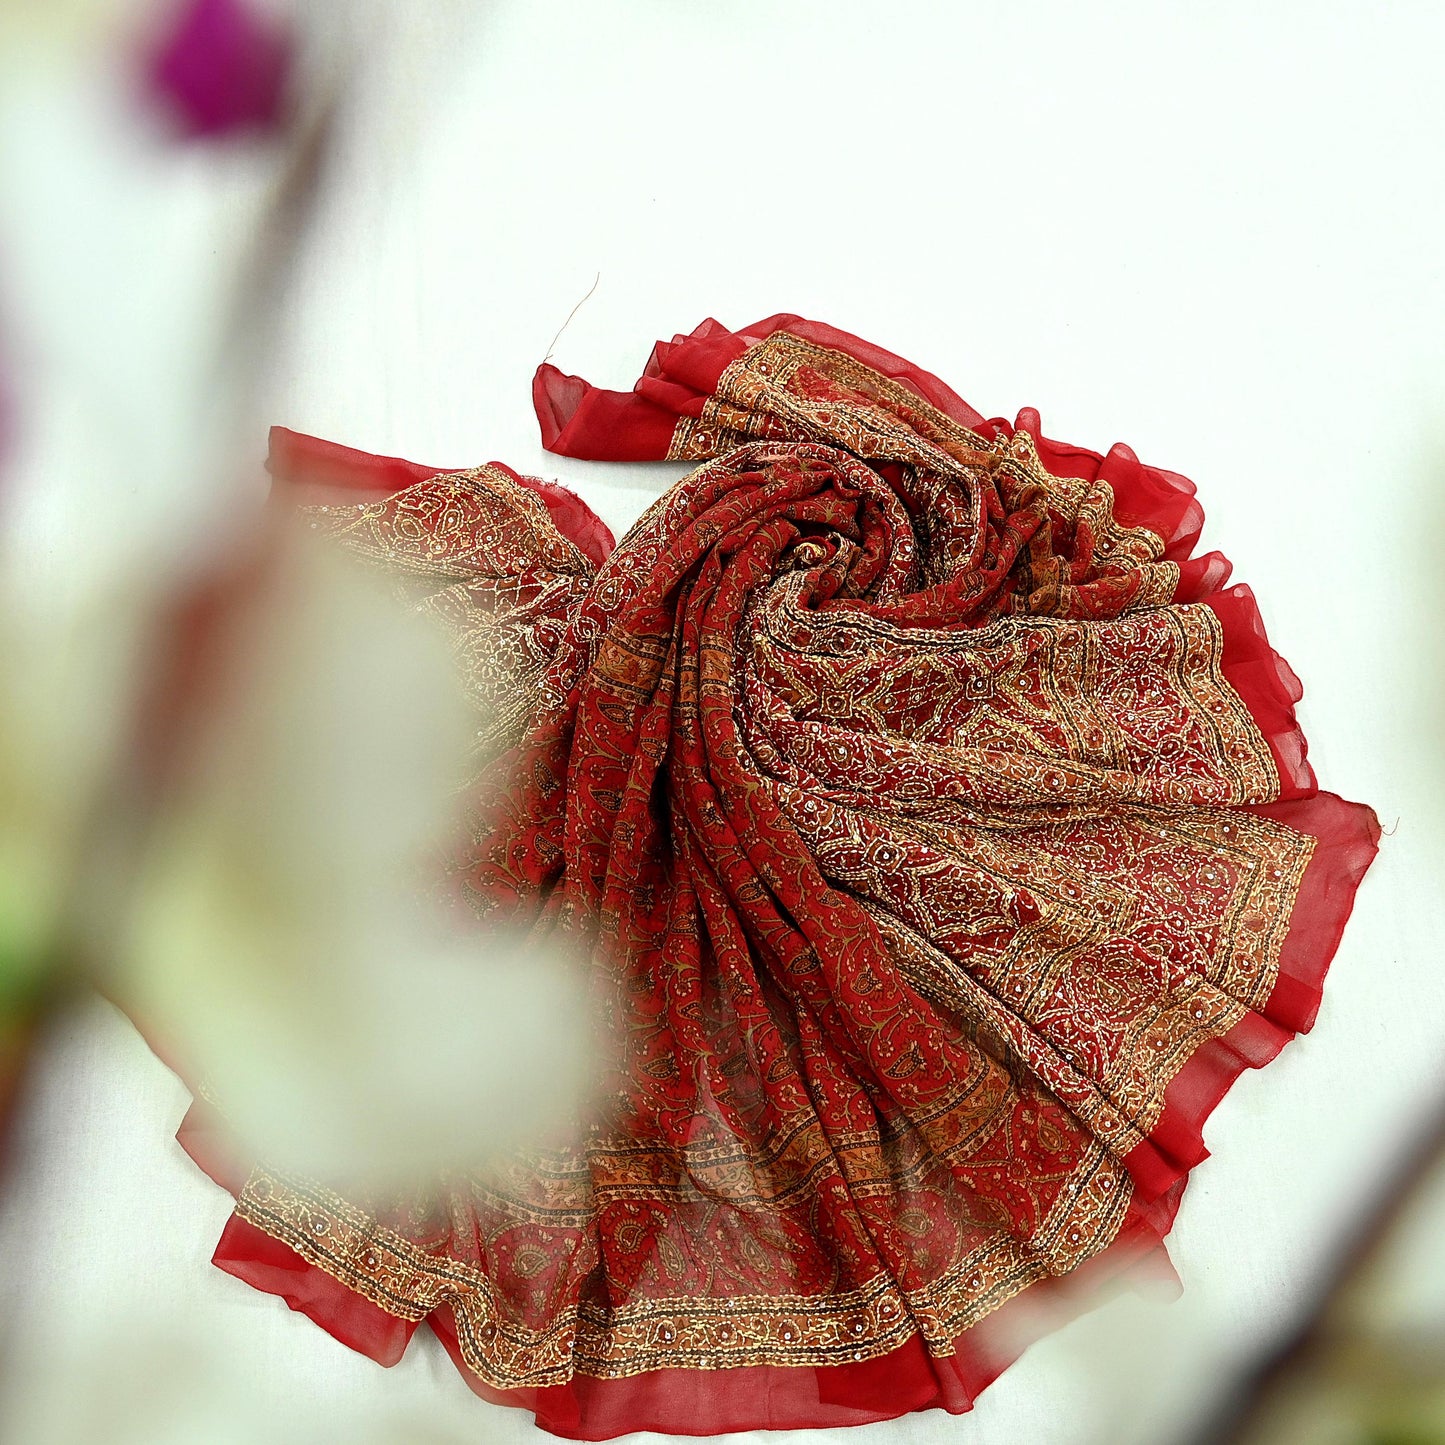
x,y
939,842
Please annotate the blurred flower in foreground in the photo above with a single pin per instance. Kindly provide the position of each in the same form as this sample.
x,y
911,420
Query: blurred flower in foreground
x,y
222,67
281,930
248,876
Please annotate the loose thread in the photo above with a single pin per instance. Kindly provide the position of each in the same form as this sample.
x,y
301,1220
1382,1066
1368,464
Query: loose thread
x,y
596,279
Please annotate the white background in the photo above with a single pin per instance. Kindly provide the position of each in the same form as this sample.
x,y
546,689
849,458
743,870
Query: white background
x,y
1213,232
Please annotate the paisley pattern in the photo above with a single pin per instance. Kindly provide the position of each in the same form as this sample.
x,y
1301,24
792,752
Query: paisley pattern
x,y
919,815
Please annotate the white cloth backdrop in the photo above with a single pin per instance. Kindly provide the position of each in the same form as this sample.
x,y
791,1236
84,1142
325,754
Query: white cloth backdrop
x,y
1212,232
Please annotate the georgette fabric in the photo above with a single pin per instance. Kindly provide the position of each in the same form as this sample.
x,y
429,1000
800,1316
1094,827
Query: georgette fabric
x,y
939,839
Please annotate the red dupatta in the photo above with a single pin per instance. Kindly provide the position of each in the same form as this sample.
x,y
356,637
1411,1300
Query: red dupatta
x,y
941,842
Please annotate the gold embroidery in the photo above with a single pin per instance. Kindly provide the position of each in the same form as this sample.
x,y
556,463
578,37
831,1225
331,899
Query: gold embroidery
x,y
1006,805
881,420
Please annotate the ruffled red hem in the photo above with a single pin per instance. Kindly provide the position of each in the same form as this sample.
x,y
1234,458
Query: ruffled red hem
x,y
692,1402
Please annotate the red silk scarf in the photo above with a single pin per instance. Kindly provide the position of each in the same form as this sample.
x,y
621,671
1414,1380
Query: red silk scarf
x,y
940,839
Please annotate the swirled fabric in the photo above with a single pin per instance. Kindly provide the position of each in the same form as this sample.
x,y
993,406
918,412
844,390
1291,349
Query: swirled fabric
x,y
939,837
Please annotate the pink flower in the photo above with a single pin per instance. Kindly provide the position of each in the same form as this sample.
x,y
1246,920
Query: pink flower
x,y
222,67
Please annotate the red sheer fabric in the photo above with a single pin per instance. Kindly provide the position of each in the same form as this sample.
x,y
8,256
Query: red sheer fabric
x,y
584,421
940,836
